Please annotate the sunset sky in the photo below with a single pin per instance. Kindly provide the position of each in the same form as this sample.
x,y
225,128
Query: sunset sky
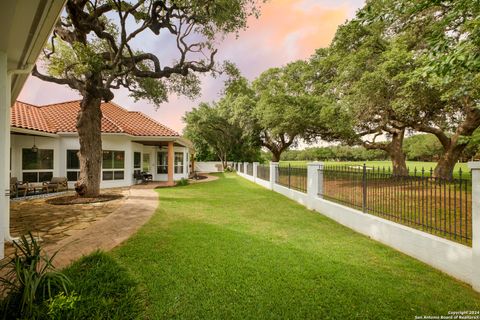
x,y
287,30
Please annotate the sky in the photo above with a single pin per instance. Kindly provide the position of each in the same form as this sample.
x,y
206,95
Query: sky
x,y
287,30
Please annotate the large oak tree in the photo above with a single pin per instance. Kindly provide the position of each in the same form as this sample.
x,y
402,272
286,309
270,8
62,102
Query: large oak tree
x,y
94,50
438,68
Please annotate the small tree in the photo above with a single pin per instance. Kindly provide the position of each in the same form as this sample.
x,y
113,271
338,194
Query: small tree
x,y
211,130
93,50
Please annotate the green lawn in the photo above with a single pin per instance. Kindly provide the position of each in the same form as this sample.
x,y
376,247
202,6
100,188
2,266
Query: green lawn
x,y
427,166
229,249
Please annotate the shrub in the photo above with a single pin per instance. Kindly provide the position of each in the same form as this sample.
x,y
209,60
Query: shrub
x,y
60,306
28,279
182,182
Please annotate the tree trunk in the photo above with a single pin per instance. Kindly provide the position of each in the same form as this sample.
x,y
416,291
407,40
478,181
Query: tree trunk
x,y
89,123
395,151
275,155
452,146
446,163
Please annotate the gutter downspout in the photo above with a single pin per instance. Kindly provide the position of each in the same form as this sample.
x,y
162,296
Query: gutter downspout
x,y
5,146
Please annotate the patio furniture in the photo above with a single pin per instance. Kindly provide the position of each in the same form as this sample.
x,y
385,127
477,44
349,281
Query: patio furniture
x,y
57,184
18,187
37,187
143,176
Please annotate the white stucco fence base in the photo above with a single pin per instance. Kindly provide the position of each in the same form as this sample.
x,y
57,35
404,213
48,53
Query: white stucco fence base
x,y
208,166
263,183
450,257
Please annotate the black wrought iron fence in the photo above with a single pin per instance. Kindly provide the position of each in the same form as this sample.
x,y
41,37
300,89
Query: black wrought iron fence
x,y
241,168
292,177
250,169
263,172
439,206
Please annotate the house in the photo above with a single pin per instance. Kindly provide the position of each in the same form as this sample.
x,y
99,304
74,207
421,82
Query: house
x,y
44,144
25,25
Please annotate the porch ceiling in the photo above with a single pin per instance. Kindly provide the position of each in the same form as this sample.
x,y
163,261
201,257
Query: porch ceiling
x,y
26,25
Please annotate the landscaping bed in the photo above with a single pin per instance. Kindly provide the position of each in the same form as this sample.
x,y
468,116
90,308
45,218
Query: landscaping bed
x,y
74,199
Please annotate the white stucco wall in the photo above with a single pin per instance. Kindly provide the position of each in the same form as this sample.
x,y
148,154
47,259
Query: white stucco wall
x,y
208,166
62,143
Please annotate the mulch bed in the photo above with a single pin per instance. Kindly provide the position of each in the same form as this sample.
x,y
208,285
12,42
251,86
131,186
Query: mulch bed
x,y
68,200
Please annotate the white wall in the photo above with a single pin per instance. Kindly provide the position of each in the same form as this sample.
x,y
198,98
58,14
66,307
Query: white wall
x,y
450,257
208,166
61,144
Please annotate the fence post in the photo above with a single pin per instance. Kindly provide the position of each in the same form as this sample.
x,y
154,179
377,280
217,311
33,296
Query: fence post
x,y
475,166
245,165
289,174
364,188
273,173
314,182
255,166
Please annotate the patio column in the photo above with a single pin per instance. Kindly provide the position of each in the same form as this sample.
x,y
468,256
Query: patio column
x,y
5,151
475,166
170,161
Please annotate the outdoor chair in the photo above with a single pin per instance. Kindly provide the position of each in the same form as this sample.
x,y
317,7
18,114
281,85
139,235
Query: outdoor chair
x,y
18,187
57,184
143,176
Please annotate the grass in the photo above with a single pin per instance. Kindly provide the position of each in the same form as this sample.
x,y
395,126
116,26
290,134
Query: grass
x,y
106,290
427,166
229,249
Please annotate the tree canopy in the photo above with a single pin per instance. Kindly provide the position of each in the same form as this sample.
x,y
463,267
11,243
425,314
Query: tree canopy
x,y
405,66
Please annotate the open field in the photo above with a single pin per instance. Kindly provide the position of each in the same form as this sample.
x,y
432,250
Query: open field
x,y
412,165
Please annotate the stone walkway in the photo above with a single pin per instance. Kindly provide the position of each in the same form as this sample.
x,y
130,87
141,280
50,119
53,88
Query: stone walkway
x,y
52,223
78,230
109,232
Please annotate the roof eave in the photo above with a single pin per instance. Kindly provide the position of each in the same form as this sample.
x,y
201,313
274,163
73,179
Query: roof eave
x,y
33,132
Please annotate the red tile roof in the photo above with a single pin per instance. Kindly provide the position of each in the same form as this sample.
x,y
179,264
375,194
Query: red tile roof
x,y
62,117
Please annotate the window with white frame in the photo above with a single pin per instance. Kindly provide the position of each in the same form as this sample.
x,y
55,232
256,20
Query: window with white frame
x,y
113,165
73,165
162,162
178,162
37,165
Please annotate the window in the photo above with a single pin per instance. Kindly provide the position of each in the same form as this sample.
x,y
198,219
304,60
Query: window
x,y
113,165
178,162
146,162
73,165
162,162
137,162
37,166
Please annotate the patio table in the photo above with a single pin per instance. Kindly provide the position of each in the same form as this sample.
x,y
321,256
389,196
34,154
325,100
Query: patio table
x,y
37,186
